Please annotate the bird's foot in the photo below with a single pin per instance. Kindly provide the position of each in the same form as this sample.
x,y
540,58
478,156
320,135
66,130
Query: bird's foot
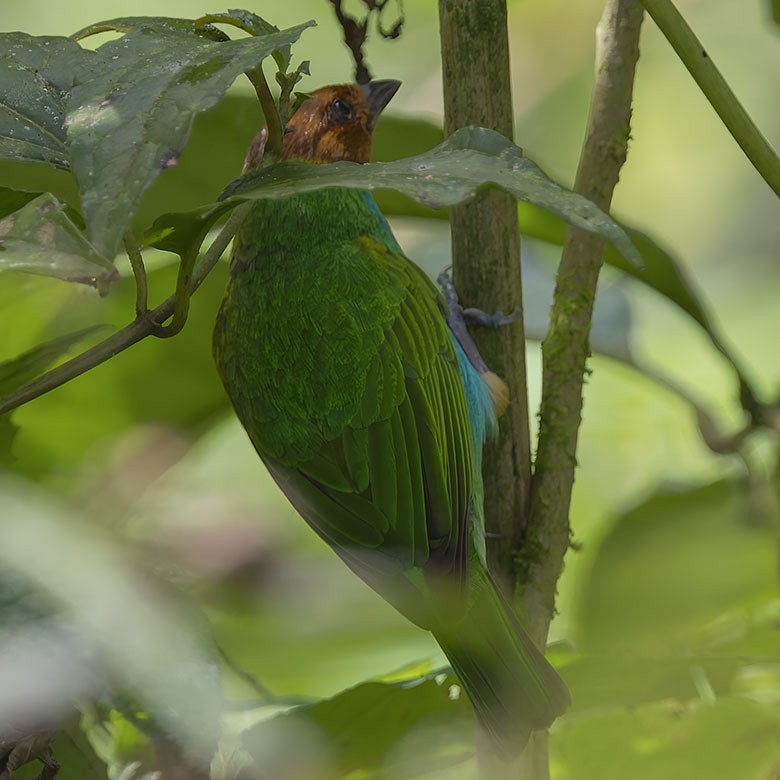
x,y
495,320
459,319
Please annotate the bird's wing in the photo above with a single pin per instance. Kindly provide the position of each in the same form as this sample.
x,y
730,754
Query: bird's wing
x,y
391,493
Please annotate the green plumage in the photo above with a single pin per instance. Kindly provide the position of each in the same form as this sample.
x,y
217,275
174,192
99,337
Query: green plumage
x,y
335,352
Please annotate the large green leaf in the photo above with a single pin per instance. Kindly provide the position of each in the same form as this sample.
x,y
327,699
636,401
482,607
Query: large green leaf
x,y
472,158
41,238
36,74
396,138
129,121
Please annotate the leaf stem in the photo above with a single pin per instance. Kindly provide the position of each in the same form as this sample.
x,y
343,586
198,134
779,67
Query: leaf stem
x,y
140,328
695,58
273,146
182,295
139,272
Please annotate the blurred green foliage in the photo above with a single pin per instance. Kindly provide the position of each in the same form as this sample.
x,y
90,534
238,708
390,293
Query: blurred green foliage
x,y
668,617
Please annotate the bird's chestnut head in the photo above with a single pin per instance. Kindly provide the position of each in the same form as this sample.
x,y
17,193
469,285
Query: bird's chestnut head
x,y
337,122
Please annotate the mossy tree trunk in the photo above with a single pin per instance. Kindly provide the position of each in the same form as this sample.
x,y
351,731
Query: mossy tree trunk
x,y
530,518
486,258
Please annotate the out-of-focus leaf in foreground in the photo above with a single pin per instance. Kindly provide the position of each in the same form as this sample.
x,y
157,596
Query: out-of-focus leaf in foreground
x,y
123,620
407,729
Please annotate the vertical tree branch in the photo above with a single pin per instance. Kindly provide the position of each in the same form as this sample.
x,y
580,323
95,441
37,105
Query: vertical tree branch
x,y
565,348
486,258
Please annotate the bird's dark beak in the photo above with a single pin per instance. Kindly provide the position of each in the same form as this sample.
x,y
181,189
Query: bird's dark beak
x,y
379,94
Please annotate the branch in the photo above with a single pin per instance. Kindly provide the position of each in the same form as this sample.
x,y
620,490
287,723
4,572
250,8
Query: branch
x,y
140,328
486,259
356,32
565,348
716,90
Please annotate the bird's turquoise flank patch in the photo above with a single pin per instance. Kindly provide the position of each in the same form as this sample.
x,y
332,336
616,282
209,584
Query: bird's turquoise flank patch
x,y
387,236
482,413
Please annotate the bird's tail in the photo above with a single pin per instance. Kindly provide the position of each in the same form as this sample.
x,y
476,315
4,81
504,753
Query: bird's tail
x,y
510,684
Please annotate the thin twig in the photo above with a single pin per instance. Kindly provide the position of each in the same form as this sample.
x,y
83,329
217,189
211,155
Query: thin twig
x,y
716,90
131,334
264,692
565,348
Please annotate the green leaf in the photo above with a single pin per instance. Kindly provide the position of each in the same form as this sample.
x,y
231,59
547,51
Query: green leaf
x,y
661,272
36,74
42,238
629,679
417,724
130,121
23,369
181,232
252,24
453,172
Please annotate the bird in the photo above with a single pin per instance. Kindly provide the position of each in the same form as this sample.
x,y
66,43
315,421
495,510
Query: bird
x,y
365,408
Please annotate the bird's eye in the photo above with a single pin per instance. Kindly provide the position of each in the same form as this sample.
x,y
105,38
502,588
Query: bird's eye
x,y
341,110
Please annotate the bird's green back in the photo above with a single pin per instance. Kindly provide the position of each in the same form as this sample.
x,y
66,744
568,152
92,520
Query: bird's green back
x,y
301,342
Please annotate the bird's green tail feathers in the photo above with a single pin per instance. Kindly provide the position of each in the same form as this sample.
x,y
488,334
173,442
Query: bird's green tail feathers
x,y
512,687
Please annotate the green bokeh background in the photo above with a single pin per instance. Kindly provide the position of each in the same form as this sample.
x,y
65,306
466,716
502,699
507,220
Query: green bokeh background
x,y
668,610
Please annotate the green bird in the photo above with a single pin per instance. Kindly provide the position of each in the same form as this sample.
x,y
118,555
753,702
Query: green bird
x,y
335,352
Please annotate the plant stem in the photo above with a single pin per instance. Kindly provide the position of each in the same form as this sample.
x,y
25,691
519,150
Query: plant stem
x,y
181,308
716,90
273,144
139,273
486,259
140,328
565,348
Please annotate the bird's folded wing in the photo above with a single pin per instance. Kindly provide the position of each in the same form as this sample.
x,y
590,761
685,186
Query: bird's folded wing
x,y
392,491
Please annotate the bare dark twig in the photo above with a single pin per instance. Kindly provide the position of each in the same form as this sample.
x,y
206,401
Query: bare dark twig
x,y
356,31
